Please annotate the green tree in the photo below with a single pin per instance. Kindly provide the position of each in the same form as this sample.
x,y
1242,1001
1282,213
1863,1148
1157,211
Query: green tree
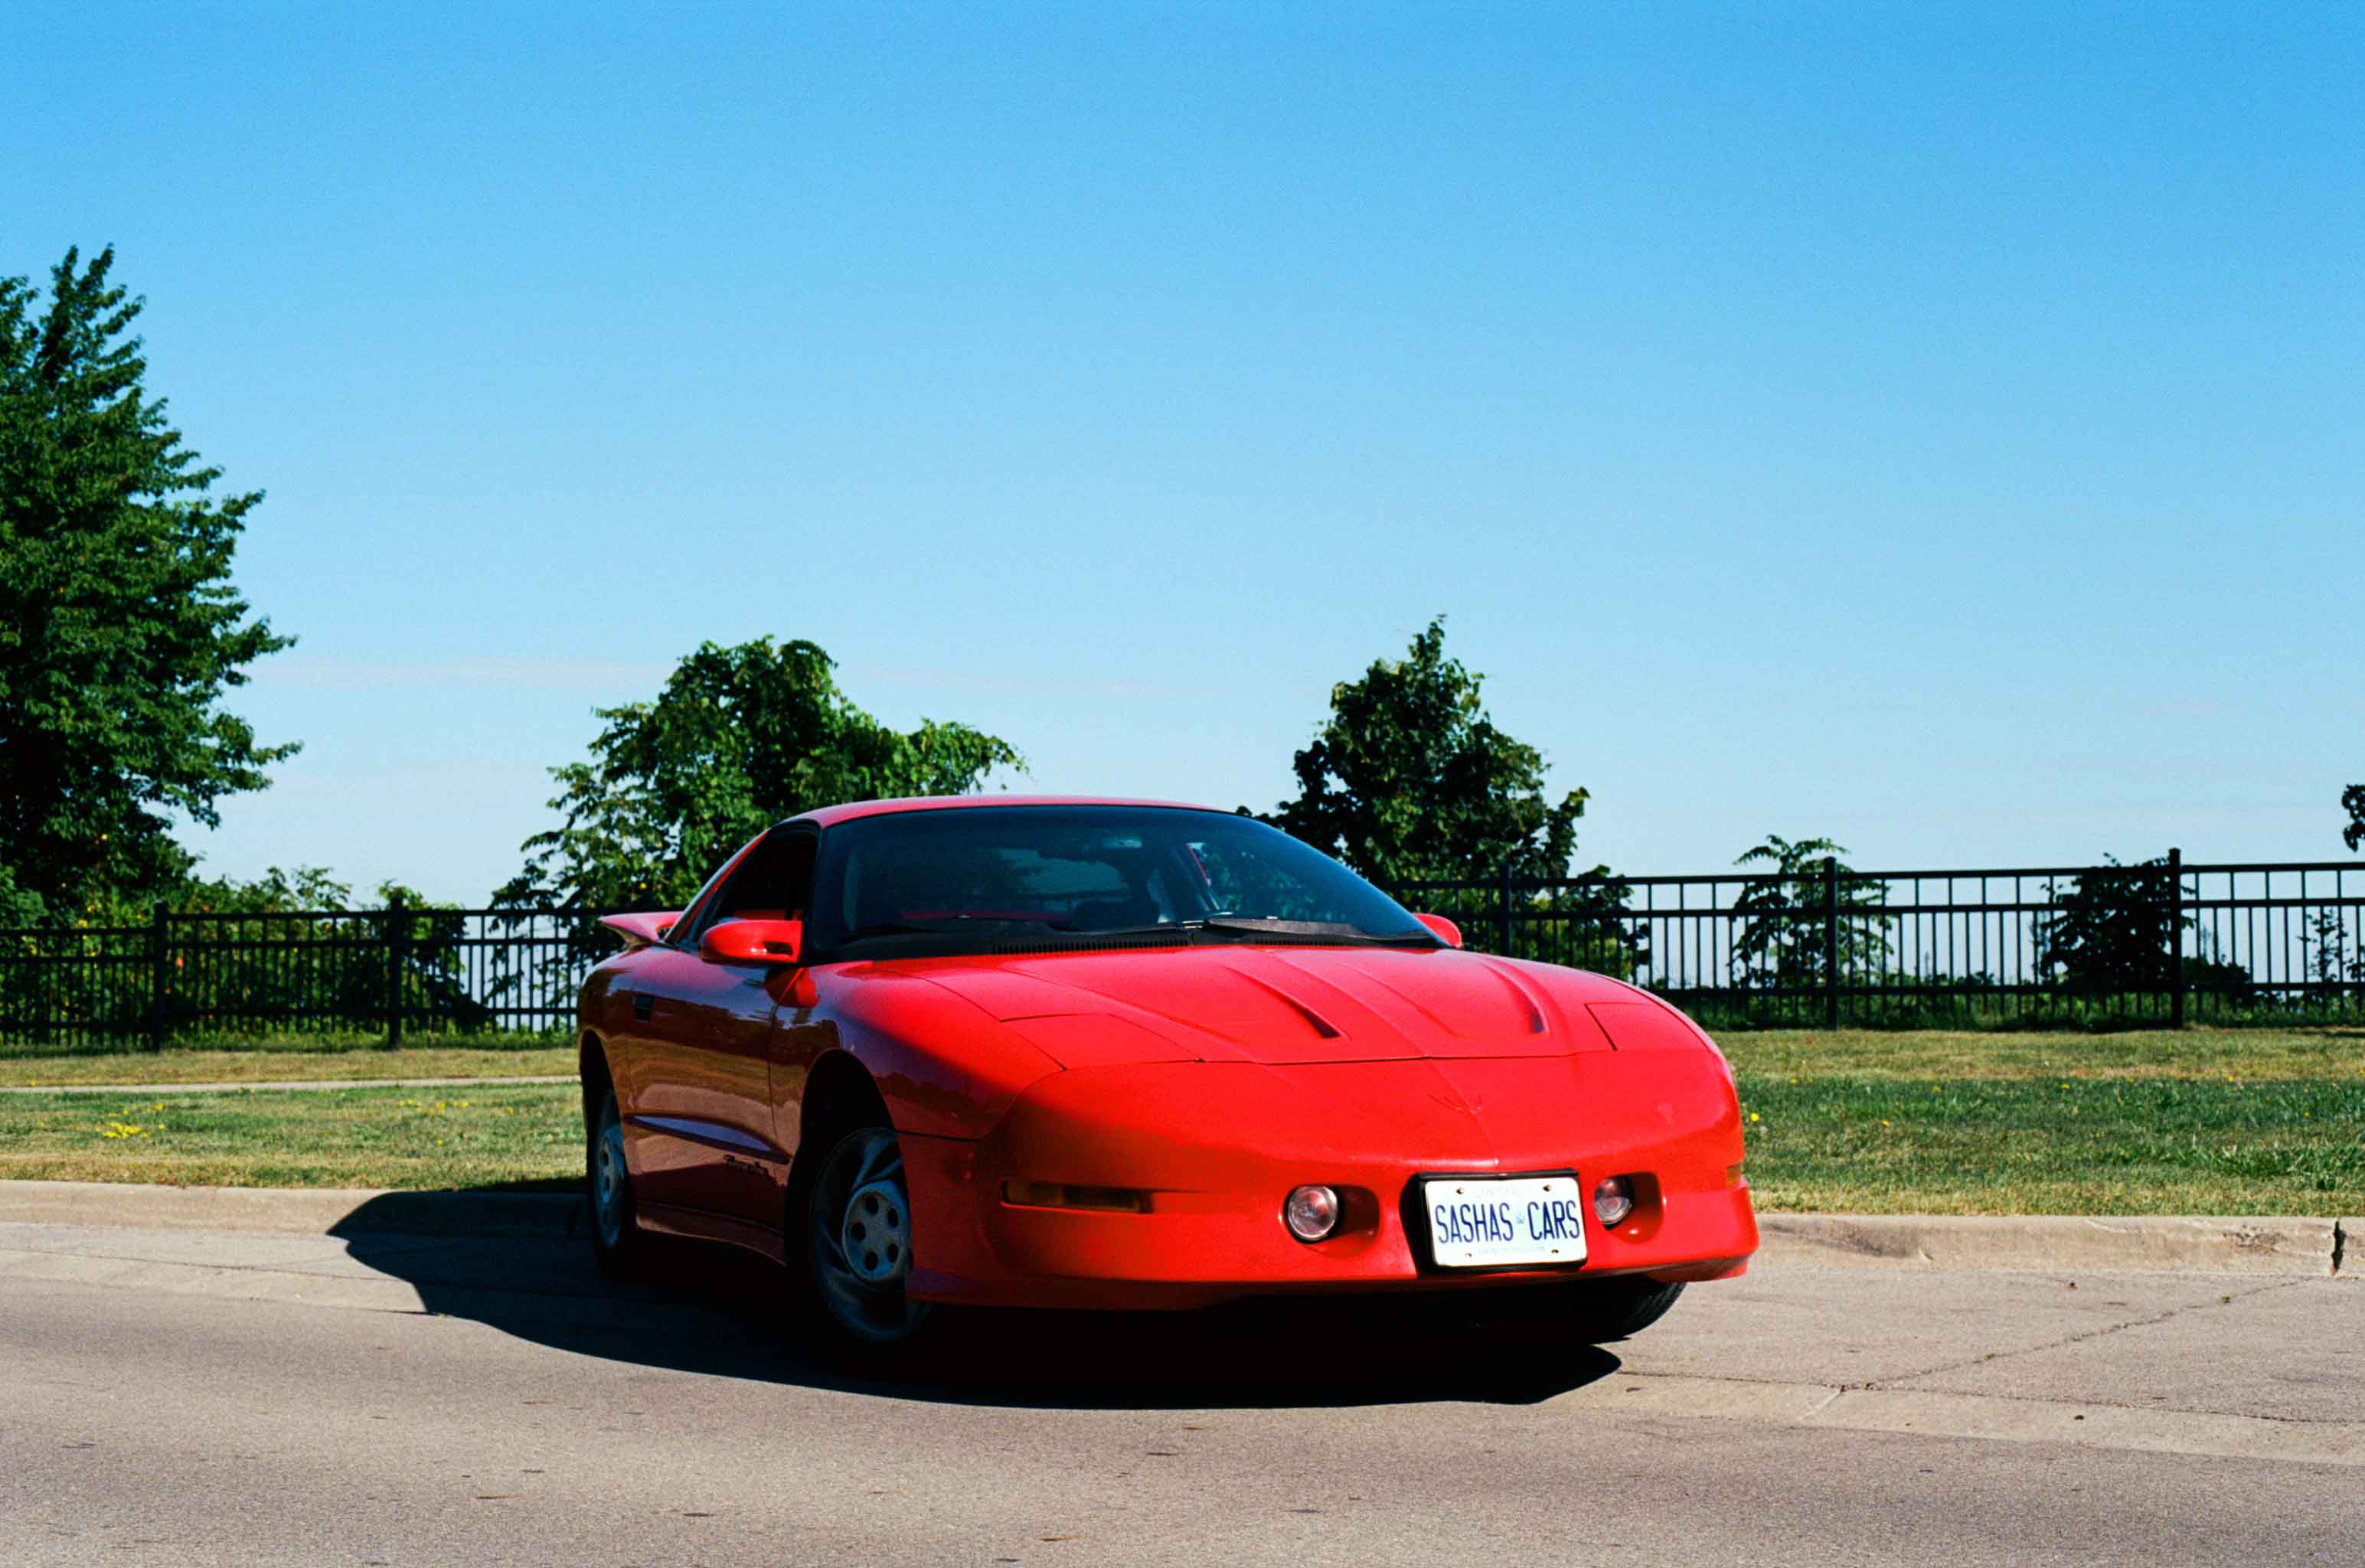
x,y
1409,780
2352,800
120,628
739,738
2110,932
1781,940
2330,966
17,907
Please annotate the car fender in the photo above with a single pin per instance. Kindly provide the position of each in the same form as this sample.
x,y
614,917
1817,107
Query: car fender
x,y
946,1066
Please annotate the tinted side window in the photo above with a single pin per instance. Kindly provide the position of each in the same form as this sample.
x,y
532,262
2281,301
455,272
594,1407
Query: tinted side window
x,y
774,883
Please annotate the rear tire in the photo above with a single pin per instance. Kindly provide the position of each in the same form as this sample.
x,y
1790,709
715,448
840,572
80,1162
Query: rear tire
x,y
619,1244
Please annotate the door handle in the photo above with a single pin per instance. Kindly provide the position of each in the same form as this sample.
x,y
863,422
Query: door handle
x,y
643,1003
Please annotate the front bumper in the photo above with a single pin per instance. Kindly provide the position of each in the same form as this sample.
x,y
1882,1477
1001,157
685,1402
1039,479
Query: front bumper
x,y
1216,1147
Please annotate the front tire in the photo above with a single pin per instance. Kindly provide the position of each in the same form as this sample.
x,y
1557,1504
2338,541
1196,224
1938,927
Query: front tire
x,y
858,1229
1619,1308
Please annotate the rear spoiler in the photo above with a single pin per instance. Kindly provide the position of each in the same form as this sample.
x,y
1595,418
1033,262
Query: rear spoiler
x,y
641,930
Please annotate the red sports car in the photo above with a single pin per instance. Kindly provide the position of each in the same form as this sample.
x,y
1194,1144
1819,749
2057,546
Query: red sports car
x,y
1050,1052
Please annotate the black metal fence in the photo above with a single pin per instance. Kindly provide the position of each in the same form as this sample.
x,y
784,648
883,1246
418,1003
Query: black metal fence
x,y
1817,944
196,979
2161,943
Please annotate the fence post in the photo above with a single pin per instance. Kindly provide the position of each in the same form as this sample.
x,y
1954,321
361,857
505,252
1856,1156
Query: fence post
x,y
160,977
1503,926
398,934
2176,938
1831,942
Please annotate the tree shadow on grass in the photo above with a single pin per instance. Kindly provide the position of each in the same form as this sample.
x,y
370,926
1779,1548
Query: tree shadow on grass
x,y
720,1312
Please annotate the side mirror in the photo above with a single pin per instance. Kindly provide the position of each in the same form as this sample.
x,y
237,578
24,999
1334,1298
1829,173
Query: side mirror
x,y
752,942
1447,932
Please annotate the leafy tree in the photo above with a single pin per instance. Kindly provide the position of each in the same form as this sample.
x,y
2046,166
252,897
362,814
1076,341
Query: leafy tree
x,y
17,907
1409,780
2110,933
120,628
2352,800
2330,965
739,738
1780,940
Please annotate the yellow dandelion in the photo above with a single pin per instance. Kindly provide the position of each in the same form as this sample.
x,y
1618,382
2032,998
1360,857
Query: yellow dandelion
x,y
1755,1117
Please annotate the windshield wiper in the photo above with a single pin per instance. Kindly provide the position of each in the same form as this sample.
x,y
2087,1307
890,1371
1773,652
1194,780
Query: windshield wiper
x,y
1325,930
1260,925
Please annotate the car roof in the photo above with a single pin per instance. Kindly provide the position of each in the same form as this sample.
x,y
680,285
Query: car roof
x,y
825,815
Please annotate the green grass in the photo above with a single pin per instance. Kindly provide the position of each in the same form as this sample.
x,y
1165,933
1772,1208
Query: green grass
x,y
1897,1145
282,1065
2146,1053
521,1135
2201,1122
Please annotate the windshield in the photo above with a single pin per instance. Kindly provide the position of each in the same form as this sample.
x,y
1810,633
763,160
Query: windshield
x,y
990,878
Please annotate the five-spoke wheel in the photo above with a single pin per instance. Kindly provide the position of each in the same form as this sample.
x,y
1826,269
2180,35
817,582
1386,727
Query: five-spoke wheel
x,y
858,1234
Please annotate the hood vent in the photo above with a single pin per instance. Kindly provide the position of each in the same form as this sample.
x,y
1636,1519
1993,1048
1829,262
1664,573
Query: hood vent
x,y
1322,1026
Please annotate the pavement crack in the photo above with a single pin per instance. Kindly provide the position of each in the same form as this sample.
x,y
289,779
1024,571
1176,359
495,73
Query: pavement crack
x,y
2079,1338
2086,1403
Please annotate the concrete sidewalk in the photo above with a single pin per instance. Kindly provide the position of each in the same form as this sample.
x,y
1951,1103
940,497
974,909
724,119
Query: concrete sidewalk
x,y
2254,1246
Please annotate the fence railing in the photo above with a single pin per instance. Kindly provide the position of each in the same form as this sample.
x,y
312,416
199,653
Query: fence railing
x,y
191,978
1818,945
2161,942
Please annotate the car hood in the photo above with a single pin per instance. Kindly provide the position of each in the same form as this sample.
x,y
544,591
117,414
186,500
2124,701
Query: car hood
x,y
1281,1005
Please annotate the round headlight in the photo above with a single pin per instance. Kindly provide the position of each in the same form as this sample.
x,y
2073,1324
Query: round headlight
x,y
1613,1201
1311,1212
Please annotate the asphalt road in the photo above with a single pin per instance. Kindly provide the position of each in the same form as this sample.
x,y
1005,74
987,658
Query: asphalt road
x,y
200,1398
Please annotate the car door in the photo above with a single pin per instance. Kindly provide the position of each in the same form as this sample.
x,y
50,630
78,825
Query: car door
x,y
700,1132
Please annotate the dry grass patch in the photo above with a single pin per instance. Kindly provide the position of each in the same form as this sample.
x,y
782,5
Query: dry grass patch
x,y
2135,1053
284,1065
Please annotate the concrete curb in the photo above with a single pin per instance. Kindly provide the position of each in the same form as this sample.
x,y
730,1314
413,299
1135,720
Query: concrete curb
x,y
2310,1249
2266,1245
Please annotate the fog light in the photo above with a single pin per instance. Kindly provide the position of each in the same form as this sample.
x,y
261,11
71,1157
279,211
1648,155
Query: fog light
x,y
1311,1212
1613,1201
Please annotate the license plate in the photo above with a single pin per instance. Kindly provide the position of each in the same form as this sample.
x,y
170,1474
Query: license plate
x,y
1488,1222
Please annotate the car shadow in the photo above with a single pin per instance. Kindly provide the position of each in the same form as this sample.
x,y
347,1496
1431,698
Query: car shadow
x,y
720,1312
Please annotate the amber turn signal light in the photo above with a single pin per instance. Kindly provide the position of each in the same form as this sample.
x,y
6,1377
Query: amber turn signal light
x,y
1065,1195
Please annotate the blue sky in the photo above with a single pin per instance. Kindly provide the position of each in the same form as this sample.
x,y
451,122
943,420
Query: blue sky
x,y
1939,429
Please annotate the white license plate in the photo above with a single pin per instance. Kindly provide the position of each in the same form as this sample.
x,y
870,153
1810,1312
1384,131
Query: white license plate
x,y
1488,1222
